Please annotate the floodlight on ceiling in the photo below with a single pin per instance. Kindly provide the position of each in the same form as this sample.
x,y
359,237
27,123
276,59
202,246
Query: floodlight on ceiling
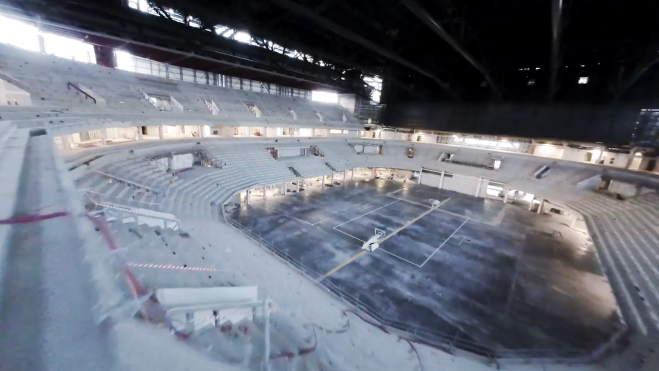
x,y
242,37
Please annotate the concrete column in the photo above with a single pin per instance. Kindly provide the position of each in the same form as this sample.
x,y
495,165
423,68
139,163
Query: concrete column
x,y
332,180
420,172
298,186
285,189
264,194
632,156
505,195
532,202
42,44
574,220
66,142
441,180
599,158
139,133
352,174
104,136
373,173
323,181
542,203
248,193
478,187
161,132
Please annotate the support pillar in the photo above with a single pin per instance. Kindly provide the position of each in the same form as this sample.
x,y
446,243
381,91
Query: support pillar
x,y
323,181
104,136
66,142
532,202
373,174
478,186
345,176
441,180
161,132
264,194
284,189
298,186
249,191
542,203
352,174
266,348
505,195
139,133
420,172
105,56
332,180
574,220
42,44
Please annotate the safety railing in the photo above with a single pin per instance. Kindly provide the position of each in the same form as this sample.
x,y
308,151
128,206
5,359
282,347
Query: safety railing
x,y
80,91
449,342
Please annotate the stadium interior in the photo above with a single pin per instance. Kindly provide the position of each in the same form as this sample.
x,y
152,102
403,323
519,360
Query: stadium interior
x,y
290,185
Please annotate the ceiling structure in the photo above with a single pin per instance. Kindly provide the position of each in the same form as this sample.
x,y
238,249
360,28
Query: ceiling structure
x,y
425,50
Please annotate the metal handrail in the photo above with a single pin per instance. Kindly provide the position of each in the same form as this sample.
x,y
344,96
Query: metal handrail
x,y
449,342
77,89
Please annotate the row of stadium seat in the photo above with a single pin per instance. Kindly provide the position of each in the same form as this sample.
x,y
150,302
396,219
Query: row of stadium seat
x,y
47,79
627,238
307,166
237,168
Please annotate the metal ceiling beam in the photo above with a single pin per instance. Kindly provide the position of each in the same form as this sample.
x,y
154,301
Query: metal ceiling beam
x,y
638,72
341,31
556,12
426,18
233,60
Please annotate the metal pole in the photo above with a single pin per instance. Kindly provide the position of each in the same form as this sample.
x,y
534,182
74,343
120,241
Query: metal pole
x,y
266,351
441,180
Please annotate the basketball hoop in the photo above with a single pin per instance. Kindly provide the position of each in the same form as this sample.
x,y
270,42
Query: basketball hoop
x,y
379,233
434,203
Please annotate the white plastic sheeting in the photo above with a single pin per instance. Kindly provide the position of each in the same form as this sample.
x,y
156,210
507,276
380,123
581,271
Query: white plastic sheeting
x,y
371,149
290,152
178,162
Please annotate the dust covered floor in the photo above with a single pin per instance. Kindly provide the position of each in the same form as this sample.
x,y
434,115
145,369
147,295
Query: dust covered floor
x,y
474,272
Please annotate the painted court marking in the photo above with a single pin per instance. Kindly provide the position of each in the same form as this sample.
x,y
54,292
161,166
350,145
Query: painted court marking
x,y
341,266
349,235
445,241
372,211
335,269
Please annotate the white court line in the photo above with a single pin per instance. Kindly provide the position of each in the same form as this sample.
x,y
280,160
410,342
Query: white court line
x,y
347,234
381,207
445,241
381,249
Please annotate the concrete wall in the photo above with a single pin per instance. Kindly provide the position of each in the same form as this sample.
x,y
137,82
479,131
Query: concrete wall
x,y
548,151
579,155
343,133
620,160
458,183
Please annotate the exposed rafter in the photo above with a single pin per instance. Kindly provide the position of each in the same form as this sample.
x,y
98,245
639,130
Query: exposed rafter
x,y
641,69
556,29
426,18
341,31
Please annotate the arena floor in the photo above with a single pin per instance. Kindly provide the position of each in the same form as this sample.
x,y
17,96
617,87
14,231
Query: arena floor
x,y
473,270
